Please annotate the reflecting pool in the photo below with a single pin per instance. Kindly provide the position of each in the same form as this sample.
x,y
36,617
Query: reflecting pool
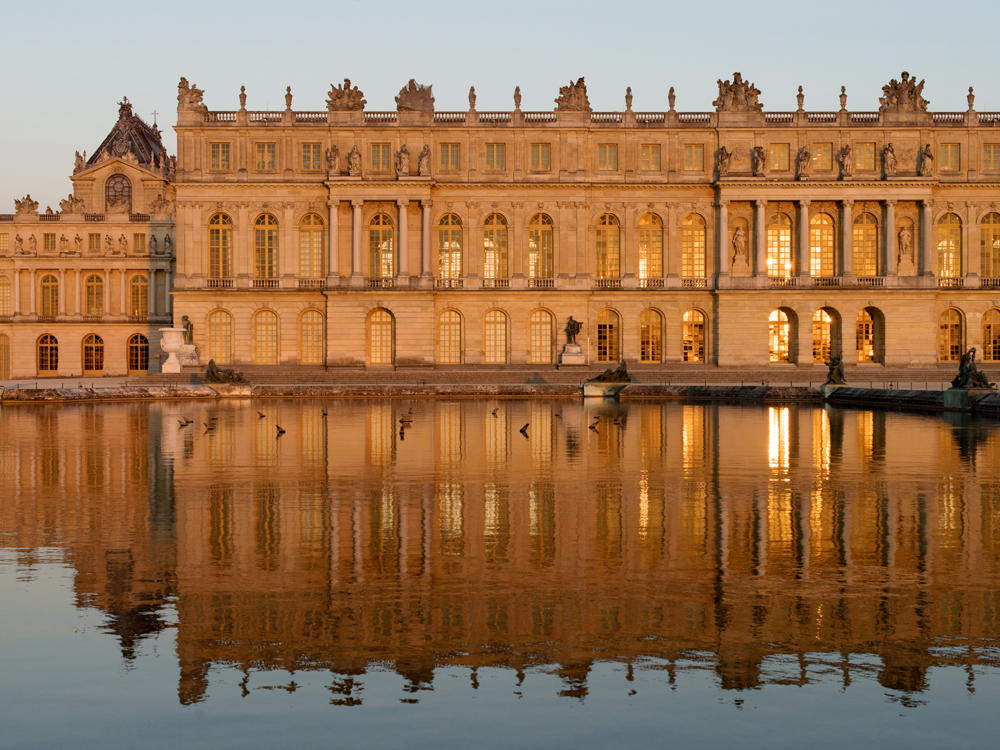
x,y
640,574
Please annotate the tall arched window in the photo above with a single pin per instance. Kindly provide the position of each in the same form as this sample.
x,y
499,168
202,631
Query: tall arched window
x,y
50,295
138,299
94,304
495,339
650,336
650,247
118,194
381,259
864,240
138,354
540,333
991,335
989,244
693,336
608,332
265,338
823,335
4,356
951,335
48,354
311,247
312,338
495,247
450,338
869,335
821,246
6,304
608,247
450,247
779,247
540,247
265,247
220,337
381,337
693,247
779,336
220,247
949,243
93,355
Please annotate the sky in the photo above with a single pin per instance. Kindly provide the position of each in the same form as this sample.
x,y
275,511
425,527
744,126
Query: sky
x,y
67,64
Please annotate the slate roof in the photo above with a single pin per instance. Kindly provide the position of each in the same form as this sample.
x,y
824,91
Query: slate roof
x,y
131,133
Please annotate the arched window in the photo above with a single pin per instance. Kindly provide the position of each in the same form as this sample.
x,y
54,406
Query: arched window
x,y
823,336
138,299
540,247
93,355
220,337
381,260
650,336
821,246
650,247
779,247
608,331
693,336
540,324
949,243
381,337
118,194
450,247
265,338
6,306
951,335
779,336
869,335
495,247
608,247
138,354
495,340
50,295
4,356
864,240
311,247
990,245
265,247
48,354
220,247
991,335
450,338
312,338
95,296
693,247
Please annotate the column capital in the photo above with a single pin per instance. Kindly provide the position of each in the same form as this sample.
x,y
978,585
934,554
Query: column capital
x,y
761,203
848,202
333,203
805,202
890,201
721,203
403,203
426,203
356,204
928,202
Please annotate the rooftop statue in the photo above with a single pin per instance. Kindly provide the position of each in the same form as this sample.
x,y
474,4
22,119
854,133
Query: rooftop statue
x,y
617,375
345,98
573,98
189,97
969,376
415,97
738,96
26,205
903,96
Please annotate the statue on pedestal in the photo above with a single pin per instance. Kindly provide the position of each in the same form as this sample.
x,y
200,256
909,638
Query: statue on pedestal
x,y
835,376
213,374
969,376
188,327
573,327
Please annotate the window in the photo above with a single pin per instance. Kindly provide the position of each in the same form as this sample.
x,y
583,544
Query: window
x,y
265,247
608,249
821,245
864,238
220,247
650,247
4,243
265,338
693,247
607,157
381,157
311,157
139,243
950,338
990,245
313,340
266,157
220,156
607,336
449,156
864,156
311,247
650,336
868,336
49,241
138,303
93,355
94,304
50,296
138,354
380,256
694,157
779,246
950,157
693,336
450,338
5,297
540,244
779,336
822,336
495,247
991,335
495,340
779,161
649,160
949,242
450,247
540,157
220,337
540,335
991,157
822,160
94,242
496,157
381,332
118,194
4,356
48,353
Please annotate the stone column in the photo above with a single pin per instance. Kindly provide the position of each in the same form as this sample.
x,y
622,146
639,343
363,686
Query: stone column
x,y
356,271
122,306
891,248
333,261
721,238
966,248
672,244
760,231
17,291
79,311
403,268
152,291
803,259
925,267
33,309
847,239
107,291
169,306
426,269
62,291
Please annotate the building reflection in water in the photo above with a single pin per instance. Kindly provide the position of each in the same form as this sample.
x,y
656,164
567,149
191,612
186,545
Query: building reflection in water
x,y
770,543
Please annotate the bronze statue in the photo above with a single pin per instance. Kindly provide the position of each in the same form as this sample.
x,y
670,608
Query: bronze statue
x,y
188,327
573,327
969,376
617,375
836,374
213,374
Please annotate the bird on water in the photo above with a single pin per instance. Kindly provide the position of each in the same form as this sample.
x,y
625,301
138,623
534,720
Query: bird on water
x,y
280,431
495,412
260,415
524,430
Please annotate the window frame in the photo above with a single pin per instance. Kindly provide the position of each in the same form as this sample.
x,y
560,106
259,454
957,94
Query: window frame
x,y
779,157
649,153
949,157
380,157
495,157
865,156
219,156
822,157
694,157
540,156
266,152
607,157
991,157
314,162
449,157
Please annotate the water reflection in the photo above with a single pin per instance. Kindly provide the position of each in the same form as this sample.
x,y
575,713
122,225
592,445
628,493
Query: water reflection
x,y
758,542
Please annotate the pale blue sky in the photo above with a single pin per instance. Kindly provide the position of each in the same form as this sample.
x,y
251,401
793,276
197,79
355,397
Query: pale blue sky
x,y
66,64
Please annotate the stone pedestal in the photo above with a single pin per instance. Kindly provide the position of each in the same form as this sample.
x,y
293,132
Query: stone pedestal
x,y
963,399
188,356
740,266
906,267
172,342
603,390
827,390
572,354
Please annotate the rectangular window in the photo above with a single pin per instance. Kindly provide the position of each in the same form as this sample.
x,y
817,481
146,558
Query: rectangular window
x,y
4,243
381,157
139,243
950,157
694,157
449,156
991,156
265,157
310,157
94,242
496,157
220,156
650,157
822,157
864,156
779,157
607,157
48,241
540,157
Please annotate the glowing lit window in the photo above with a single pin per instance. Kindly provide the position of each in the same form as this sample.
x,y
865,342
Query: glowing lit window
x,y
311,250
822,245
864,238
991,335
608,331
265,247
449,338
650,336
94,300
495,247
779,336
951,337
650,247
693,336
220,247
868,335
495,339
450,247
989,239
822,336
779,246
608,247
822,157
949,243
540,246
381,259
693,246
138,299
864,156
779,161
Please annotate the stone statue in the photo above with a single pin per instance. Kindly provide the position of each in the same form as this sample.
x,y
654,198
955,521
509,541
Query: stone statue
x,y
472,97
354,162
152,244
725,156
628,99
835,375
63,245
78,243
671,98
738,96
109,245
213,374
345,98
26,205
889,160
333,159
32,244
759,161
188,327
740,243
243,97
123,245
71,205
18,245
903,96
414,97
969,376
517,97
424,162
971,99
846,161
189,97
926,161
843,98
79,162
573,327
403,162
905,239
804,160
573,98
800,98
168,245
616,375
49,211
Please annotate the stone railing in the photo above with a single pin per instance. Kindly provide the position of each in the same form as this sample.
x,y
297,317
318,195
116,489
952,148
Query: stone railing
x,y
656,283
381,283
951,282
93,217
449,117
449,283
310,117
380,118
826,281
989,282
266,283
48,217
606,118
541,283
264,117
312,283
220,117
779,118
607,283
870,281
496,283
948,118
138,218
694,283
219,283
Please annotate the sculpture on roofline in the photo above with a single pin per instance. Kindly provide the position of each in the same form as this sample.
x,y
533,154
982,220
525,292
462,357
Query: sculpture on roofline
x,y
905,95
71,205
573,98
414,97
189,97
738,96
517,97
79,162
472,97
345,98
26,205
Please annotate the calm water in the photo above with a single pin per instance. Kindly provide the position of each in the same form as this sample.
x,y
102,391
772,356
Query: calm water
x,y
697,574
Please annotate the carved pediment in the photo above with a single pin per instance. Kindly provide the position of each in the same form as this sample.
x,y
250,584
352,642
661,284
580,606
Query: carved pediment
x,y
738,96
189,97
26,205
345,98
415,97
573,98
903,96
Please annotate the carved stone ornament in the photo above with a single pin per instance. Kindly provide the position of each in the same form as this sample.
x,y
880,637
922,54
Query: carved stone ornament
x,y
333,159
80,162
159,205
926,161
415,97
903,96
424,162
26,205
189,97
71,205
846,161
889,160
738,96
759,161
345,98
354,162
122,205
573,98
724,158
403,162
